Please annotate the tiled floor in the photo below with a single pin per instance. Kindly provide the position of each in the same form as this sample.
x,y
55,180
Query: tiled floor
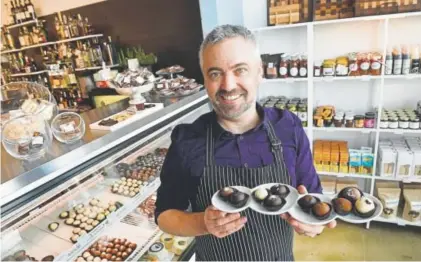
x,y
354,242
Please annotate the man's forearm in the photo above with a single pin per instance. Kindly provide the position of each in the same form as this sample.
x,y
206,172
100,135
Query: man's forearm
x,y
181,223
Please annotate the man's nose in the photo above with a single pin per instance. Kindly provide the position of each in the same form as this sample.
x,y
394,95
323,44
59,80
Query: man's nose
x,y
228,82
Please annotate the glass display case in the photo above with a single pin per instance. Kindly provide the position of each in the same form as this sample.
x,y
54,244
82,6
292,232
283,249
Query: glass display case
x,y
95,202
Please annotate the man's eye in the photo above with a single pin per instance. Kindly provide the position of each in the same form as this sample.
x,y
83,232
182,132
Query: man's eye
x,y
241,71
214,75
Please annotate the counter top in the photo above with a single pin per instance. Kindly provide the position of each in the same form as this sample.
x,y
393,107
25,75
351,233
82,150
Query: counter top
x,y
19,177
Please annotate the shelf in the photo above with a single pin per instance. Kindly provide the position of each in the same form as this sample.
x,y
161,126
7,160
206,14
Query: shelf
x,y
401,131
95,68
90,238
367,18
404,180
408,77
22,24
345,129
345,78
276,27
29,74
52,43
285,80
343,174
399,221
142,249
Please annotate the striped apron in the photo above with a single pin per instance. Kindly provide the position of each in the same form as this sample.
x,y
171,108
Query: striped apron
x,y
263,237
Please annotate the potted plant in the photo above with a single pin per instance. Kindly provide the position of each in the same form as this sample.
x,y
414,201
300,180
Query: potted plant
x,y
136,56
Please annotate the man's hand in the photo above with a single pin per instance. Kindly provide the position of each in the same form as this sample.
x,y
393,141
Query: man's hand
x,y
305,229
221,224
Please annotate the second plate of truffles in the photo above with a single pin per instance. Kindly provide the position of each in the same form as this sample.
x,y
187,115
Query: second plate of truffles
x,y
313,209
232,199
273,198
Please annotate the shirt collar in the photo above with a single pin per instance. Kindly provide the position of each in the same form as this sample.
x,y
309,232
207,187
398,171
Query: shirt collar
x,y
219,132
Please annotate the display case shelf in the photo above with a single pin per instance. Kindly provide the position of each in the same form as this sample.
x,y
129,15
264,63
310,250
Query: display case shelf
x,y
285,80
401,131
340,175
407,77
95,68
345,129
22,24
29,74
346,78
142,249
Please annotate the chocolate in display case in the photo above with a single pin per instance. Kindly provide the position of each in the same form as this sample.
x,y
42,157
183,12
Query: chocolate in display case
x,y
67,208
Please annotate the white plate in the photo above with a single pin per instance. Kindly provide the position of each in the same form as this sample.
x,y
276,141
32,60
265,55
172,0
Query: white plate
x,y
352,218
291,199
307,218
226,207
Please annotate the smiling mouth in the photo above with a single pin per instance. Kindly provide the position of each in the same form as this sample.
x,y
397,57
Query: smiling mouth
x,y
230,97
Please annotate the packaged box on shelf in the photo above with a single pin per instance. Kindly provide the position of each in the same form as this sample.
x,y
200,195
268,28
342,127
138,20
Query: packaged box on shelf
x,y
412,208
328,185
389,194
404,163
416,164
387,162
343,167
354,161
367,162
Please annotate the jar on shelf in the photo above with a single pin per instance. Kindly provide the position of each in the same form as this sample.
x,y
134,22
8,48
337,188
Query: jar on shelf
x,y
283,66
294,65
414,123
393,122
280,105
369,120
376,64
384,122
338,121
302,114
293,108
342,66
303,66
359,121
318,121
349,121
404,122
317,69
329,67
363,63
328,121
353,64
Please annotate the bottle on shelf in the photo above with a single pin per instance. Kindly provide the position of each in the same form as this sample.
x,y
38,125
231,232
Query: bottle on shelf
x,y
13,12
57,26
97,52
81,25
9,39
112,52
34,67
397,61
35,35
28,13
415,60
88,27
388,70
20,16
86,58
74,29
27,36
66,28
27,67
22,40
30,9
21,62
78,56
406,61
42,33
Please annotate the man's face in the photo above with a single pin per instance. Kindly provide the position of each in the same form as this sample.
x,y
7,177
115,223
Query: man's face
x,y
232,73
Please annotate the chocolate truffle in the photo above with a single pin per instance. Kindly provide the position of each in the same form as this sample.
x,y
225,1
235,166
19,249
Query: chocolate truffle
x,y
48,258
321,210
69,221
260,194
342,206
238,199
74,238
307,202
53,226
274,203
351,193
225,193
280,190
364,207
64,215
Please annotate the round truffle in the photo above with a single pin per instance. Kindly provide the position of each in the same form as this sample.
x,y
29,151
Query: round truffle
x,y
225,193
342,206
238,199
307,202
48,258
321,210
280,190
351,193
274,203
260,194
53,226
364,207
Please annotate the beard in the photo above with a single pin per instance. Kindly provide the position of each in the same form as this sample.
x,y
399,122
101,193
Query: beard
x,y
231,111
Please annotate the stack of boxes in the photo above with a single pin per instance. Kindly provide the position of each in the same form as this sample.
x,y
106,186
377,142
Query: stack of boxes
x,y
334,156
400,158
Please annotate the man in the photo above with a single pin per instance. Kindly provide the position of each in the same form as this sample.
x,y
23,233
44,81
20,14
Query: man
x,y
239,143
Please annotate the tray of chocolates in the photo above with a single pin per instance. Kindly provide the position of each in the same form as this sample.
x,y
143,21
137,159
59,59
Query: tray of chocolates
x,y
175,87
350,205
268,199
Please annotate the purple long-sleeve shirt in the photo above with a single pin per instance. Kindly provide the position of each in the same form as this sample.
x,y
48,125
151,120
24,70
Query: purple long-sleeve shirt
x,y
185,161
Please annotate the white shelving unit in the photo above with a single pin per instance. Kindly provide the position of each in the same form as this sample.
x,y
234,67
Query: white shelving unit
x,y
333,38
29,74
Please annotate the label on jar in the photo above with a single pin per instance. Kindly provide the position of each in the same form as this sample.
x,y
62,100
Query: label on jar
x,y
406,66
303,71
317,72
302,116
375,65
414,125
384,124
365,66
389,67
393,125
293,71
283,71
328,71
270,65
38,140
403,124
341,70
397,67
353,67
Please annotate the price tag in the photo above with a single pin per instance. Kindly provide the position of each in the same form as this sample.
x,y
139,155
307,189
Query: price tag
x,y
38,140
401,223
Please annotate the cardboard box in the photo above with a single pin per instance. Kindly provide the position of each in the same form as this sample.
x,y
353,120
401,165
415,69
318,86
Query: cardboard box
x,y
416,164
389,194
387,162
412,208
404,163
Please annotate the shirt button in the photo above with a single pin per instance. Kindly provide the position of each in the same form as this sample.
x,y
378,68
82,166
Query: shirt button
x,y
246,165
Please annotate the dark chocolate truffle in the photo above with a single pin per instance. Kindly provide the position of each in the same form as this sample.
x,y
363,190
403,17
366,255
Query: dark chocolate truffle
x,y
321,210
280,190
274,203
351,193
225,193
342,206
364,207
307,202
238,199
48,258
